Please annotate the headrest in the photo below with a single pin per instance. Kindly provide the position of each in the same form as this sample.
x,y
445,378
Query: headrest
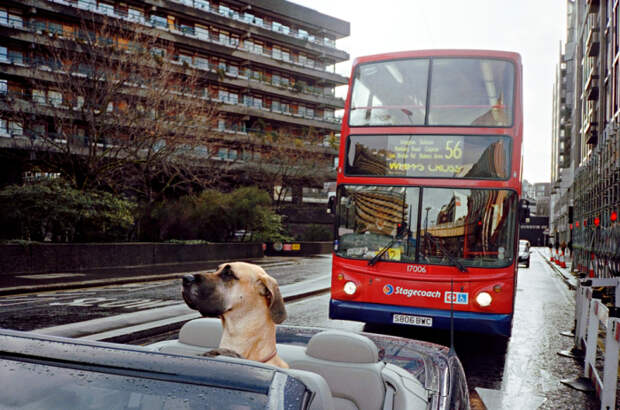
x,y
205,332
338,346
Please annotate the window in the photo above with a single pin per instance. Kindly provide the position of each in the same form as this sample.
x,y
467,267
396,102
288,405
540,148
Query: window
x,y
275,79
39,130
286,56
87,4
4,87
276,53
79,103
11,18
106,8
275,106
201,62
253,47
186,28
285,108
310,112
280,28
303,34
38,96
202,32
158,52
4,54
234,70
226,11
201,4
15,128
54,98
135,14
184,58
159,21
248,17
301,110
4,128
224,38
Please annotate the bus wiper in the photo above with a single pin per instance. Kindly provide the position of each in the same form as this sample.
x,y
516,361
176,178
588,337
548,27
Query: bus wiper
x,y
383,250
400,233
445,252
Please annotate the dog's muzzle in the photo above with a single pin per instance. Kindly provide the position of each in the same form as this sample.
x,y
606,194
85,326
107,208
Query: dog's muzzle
x,y
201,294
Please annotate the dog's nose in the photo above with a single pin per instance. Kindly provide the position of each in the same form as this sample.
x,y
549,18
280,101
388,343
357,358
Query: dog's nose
x,y
188,280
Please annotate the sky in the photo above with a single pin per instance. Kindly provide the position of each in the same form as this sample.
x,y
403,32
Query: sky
x,y
533,28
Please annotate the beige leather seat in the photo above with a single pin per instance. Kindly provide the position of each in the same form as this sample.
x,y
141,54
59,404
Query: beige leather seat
x,y
342,368
349,363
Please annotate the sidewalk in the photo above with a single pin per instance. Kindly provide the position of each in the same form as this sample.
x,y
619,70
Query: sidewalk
x,y
571,278
30,283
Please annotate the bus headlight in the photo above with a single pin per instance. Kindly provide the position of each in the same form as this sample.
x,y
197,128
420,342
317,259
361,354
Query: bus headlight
x,y
484,299
350,288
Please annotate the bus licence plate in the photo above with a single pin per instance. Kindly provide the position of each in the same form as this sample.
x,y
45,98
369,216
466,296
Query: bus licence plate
x,y
413,320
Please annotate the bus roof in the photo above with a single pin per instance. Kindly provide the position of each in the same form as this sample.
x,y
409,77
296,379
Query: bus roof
x,y
439,53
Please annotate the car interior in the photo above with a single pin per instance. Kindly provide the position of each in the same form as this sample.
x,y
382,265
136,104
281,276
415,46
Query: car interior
x,y
342,368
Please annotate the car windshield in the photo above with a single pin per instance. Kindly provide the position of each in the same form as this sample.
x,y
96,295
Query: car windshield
x,y
463,92
30,386
426,225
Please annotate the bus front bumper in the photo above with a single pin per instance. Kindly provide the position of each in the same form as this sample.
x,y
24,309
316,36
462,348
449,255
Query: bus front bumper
x,y
489,323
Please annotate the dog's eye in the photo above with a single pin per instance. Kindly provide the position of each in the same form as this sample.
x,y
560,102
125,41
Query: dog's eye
x,y
227,275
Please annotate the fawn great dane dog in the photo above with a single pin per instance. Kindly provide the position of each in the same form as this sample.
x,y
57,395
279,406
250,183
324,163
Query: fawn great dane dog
x,y
249,303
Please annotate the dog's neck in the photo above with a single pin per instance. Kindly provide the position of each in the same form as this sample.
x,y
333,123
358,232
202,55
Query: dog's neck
x,y
252,339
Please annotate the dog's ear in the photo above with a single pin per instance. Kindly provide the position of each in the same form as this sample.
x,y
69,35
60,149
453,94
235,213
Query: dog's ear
x,y
268,287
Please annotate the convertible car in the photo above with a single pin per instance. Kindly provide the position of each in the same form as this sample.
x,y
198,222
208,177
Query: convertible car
x,y
330,369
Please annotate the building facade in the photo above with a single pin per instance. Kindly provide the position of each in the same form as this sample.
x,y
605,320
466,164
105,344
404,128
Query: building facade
x,y
269,64
586,202
560,201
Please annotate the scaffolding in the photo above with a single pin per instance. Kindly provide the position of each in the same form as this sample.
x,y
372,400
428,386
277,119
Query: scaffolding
x,y
595,229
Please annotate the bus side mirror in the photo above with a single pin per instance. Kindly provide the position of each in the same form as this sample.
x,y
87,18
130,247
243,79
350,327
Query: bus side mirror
x,y
331,205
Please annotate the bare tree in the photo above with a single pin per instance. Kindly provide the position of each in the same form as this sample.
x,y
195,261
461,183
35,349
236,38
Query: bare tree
x,y
292,161
108,105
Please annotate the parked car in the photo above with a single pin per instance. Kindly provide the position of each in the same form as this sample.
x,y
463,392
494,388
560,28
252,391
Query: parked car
x,y
329,369
524,252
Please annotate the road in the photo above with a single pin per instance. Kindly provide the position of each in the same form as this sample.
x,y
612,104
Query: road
x,y
523,372
53,308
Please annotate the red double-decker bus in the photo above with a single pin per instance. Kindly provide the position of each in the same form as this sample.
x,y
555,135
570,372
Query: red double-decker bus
x,y
429,180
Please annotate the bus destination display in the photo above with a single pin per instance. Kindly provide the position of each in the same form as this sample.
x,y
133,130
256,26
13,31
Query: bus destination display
x,y
437,156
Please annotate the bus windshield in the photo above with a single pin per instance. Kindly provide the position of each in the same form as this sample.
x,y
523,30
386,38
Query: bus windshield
x,y
462,92
474,226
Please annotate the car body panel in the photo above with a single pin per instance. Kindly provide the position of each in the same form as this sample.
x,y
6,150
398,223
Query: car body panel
x,y
51,372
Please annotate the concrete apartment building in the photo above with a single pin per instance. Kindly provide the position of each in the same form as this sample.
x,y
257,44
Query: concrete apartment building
x,y
586,137
270,64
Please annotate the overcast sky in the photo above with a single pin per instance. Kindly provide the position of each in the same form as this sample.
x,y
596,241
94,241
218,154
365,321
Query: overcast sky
x,y
532,28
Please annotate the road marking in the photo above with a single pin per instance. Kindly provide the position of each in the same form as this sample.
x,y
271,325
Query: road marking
x,y
51,276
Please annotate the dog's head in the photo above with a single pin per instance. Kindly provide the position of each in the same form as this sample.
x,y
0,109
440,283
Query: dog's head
x,y
235,285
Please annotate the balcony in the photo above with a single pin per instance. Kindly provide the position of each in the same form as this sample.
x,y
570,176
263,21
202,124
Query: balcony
x,y
591,87
592,43
591,133
593,5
